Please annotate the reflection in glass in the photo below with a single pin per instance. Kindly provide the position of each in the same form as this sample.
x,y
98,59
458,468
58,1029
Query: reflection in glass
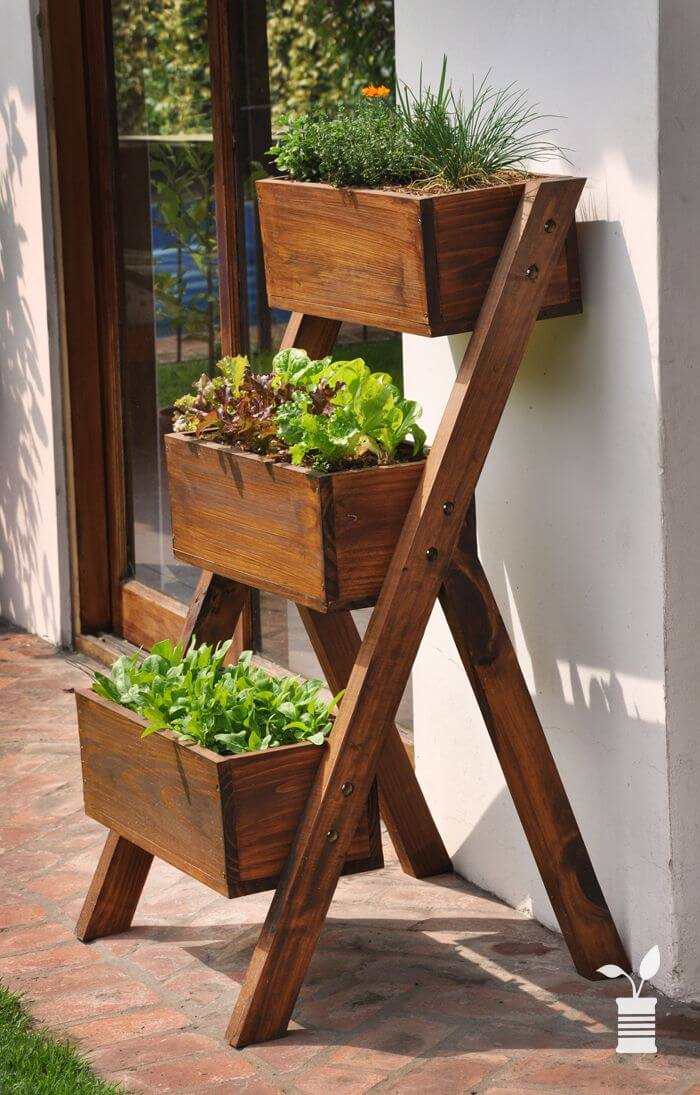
x,y
287,61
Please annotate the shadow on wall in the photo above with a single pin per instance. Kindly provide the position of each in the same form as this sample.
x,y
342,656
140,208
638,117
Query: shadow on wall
x,y
569,532
25,580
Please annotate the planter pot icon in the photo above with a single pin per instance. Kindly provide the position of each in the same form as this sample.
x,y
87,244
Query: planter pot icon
x,y
636,1014
636,1024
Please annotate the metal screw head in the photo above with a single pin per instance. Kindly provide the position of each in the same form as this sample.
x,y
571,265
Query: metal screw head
x,y
531,272
431,554
332,836
447,508
347,789
549,226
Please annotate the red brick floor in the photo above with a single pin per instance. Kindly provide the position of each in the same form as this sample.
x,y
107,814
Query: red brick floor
x,y
416,986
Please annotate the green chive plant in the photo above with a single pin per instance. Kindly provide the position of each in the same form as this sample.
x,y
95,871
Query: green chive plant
x,y
428,140
226,708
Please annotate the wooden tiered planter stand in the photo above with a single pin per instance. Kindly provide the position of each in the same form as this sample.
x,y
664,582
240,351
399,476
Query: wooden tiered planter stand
x,y
400,262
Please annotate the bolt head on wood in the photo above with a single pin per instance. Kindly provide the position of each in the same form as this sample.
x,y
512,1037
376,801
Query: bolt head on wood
x,y
549,226
332,836
532,272
431,554
447,508
347,789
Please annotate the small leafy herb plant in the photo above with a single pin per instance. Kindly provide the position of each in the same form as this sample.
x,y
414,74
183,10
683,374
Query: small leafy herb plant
x,y
228,709
325,414
428,140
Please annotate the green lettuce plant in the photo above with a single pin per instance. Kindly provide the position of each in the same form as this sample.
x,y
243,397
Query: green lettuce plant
x,y
324,414
226,708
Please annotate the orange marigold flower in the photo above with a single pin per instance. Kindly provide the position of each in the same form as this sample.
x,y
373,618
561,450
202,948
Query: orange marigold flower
x,y
372,91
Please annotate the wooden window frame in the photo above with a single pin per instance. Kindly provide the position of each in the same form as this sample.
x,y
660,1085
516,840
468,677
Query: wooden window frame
x,y
83,139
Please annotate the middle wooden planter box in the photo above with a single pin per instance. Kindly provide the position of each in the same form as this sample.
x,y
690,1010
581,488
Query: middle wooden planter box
x,y
227,821
322,540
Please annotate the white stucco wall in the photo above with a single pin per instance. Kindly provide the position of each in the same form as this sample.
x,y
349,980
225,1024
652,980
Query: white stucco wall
x,y
570,503
679,326
34,588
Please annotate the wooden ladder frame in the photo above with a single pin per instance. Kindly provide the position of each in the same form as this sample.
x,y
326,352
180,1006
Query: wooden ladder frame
x,y
436,557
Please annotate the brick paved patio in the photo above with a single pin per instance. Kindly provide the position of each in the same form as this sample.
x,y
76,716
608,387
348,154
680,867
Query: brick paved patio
x,y
416,986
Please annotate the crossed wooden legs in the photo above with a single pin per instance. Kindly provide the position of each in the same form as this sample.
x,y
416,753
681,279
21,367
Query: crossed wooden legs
x,y
120,876
435,556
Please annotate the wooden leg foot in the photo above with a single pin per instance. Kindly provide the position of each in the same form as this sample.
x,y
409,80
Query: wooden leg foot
x,y
528,764
115,889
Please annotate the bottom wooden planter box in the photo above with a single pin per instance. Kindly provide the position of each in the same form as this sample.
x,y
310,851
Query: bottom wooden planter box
x,y
227,821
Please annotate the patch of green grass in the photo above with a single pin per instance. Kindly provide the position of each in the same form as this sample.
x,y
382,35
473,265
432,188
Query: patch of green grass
x,y
32,1063
384,356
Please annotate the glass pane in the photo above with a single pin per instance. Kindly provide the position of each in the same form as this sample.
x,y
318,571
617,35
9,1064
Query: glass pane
x,y
319,58
168,249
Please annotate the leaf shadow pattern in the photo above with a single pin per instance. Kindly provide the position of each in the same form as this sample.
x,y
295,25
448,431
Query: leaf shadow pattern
x,y
28,590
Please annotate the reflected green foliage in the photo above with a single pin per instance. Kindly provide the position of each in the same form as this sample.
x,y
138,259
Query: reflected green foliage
x,y
181,184
227,708
161,62
320,53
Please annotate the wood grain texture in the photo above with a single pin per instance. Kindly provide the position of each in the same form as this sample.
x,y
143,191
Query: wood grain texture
x,y
418,844
408,262
469,237
149,615
314,334
227,821
527,762
223,26
115,889
69,140
416,573
344,254
321,540
214,612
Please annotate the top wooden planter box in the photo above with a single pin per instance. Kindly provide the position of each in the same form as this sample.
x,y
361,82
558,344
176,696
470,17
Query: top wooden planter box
x,y
406,262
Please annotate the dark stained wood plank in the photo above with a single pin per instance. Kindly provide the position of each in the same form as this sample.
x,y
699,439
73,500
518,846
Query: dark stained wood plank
x,y
469,235
75,242
409,592
418,844
315,334
228,182
102,128
149,615
214,610
528,766
228,821
321,540
115,889
372,248
157,794
364,520
410,262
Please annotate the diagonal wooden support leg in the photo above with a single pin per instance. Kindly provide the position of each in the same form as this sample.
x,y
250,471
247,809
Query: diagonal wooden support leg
x,y
115,889
214,610
528,765
420,563
123,867
413,832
